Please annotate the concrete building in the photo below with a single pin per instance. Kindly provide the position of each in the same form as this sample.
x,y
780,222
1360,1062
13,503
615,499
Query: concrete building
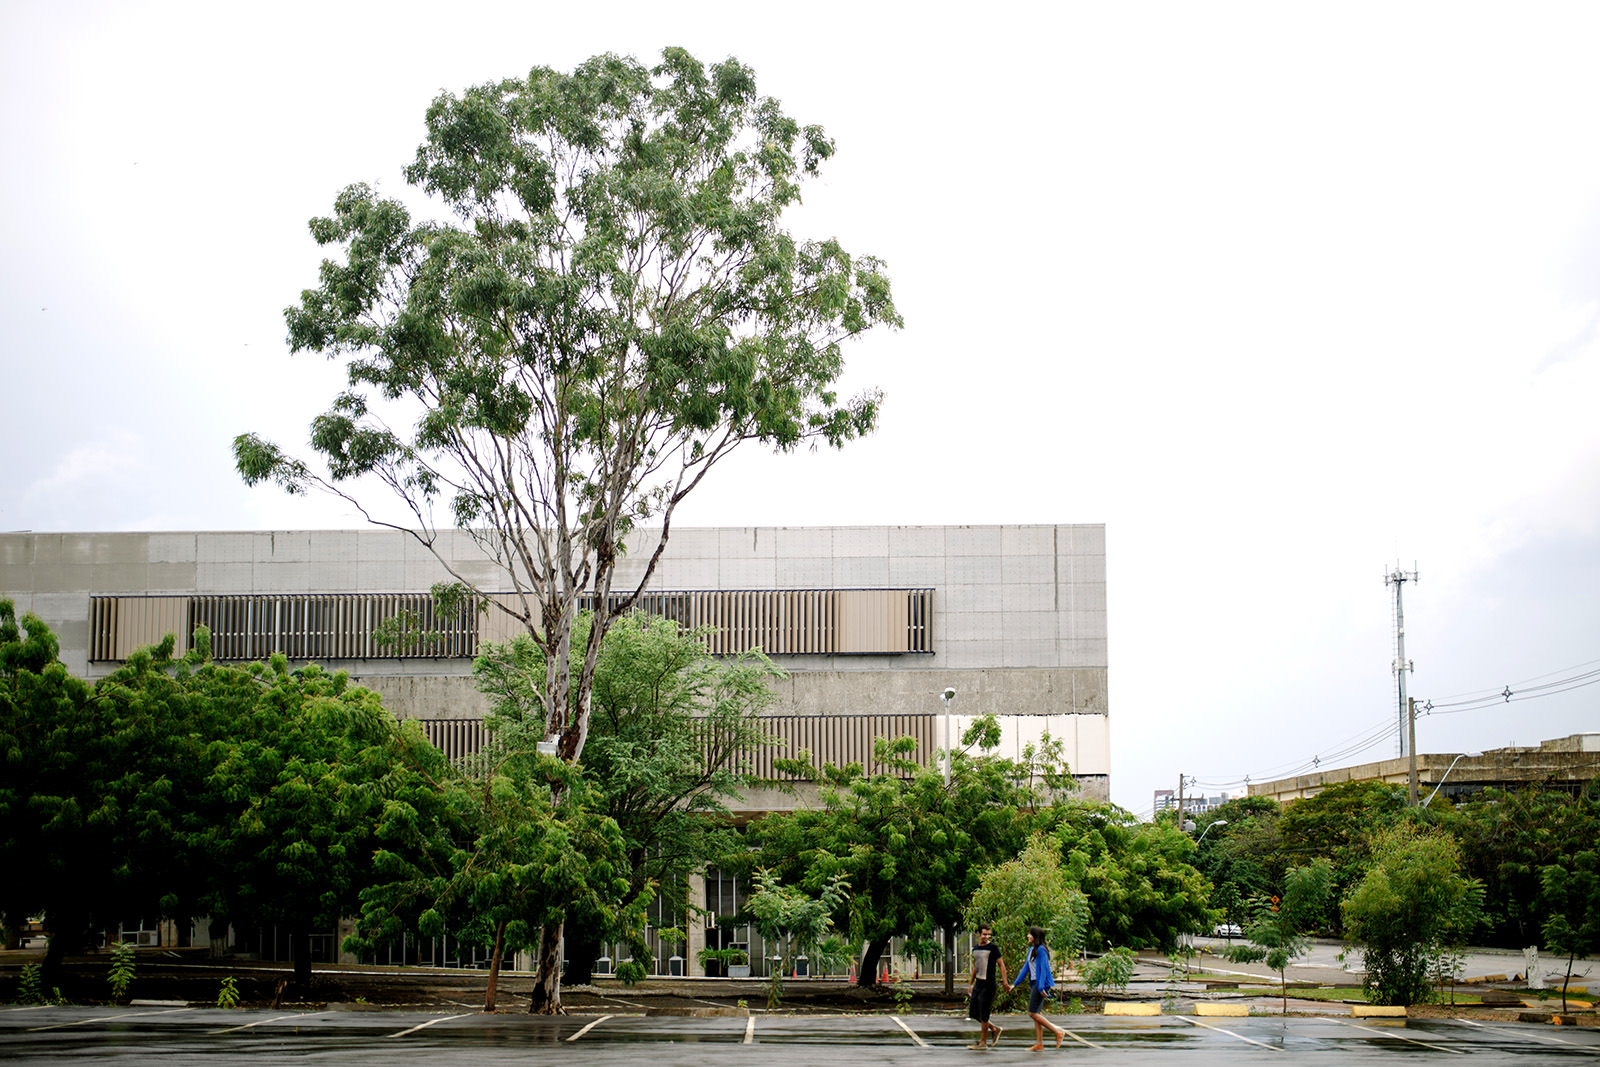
x,y
1567,763
1193,803
870,623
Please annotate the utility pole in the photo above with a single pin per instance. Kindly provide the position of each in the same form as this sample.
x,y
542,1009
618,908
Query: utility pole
x,y
1180,801
1407,709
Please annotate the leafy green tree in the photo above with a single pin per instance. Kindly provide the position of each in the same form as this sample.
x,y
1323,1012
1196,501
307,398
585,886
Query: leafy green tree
x,y
1031,890
53,846
792,920
1239,850
1142,890
1281,929
671,724
1507,838
607,307
180,787
911,846
1571,893
1338,825
1411,905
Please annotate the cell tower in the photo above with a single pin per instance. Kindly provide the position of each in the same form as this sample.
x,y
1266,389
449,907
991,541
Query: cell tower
x,y
1402,666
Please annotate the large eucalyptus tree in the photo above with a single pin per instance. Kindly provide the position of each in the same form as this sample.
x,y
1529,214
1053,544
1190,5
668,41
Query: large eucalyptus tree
x,y
608,306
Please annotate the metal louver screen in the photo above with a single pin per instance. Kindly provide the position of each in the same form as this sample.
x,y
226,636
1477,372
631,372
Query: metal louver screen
x,y
836,739
780,622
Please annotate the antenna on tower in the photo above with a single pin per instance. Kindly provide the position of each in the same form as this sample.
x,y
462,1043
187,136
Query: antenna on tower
x,y
1407,722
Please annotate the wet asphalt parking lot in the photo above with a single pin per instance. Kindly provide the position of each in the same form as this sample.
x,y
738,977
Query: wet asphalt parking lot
x,y
175,1036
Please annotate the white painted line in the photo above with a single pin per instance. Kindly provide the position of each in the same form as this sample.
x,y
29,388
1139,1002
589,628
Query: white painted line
x,y
750,1030
1524,1033
27,1007
430,1022
1230,1033
1403,1037
1084,1041
591,1026
107,1018
908,1030
263,1022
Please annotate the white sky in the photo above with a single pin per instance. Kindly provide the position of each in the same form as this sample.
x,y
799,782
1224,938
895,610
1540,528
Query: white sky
x,y
1281,293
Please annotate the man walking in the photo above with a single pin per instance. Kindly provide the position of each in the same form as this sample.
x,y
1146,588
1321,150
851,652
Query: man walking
x,y
986,959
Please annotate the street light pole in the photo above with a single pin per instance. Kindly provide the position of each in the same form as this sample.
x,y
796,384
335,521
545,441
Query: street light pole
x,y
1446,774
1207,830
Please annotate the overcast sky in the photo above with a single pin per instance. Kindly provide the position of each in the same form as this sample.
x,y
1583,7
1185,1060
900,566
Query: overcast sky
x,y
1283,294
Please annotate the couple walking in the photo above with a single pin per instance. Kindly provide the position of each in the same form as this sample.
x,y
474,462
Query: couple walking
x,y
986,960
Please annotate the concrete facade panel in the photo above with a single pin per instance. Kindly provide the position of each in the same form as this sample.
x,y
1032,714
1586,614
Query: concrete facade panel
x,y
173,577
77,548
334,576
957,597
917,541
973,541
1018,541
798,542
336,546
748,573
808,572
1030,652
64,576
748,541
1030,597
861,541
172,548
376,545
225,548
16,550
857,572
916,571
974,570
16,578
119,577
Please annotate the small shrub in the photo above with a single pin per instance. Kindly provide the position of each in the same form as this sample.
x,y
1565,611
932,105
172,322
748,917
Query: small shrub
x,y
631,972
122,966
30,986
901,992
1110,971
1073,1007
228,995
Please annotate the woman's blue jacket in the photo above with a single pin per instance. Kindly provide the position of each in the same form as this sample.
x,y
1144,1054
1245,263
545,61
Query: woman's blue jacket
x,y
1038,968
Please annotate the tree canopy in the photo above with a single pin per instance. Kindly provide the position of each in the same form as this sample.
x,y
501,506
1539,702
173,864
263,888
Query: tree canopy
x,y
606,307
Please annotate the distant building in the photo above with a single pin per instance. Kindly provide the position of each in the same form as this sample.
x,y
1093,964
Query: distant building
x,y
1193,803
1566,763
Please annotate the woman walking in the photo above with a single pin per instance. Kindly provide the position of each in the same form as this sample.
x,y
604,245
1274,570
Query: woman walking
x,y
1039,971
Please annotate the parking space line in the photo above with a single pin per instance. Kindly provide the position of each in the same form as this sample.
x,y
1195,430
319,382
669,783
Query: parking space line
x,y
589,1027
1403,1037
1083,1040
910,1032
107,1018
750,1030
1595,1049
263,1022
1230,1033
430,1022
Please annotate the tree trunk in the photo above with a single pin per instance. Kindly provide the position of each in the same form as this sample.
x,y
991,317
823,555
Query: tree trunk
x,y
546,998
300,952
494,965
949,962
867,976
582,951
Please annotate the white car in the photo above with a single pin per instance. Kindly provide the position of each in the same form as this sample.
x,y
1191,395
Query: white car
x,y
1227,930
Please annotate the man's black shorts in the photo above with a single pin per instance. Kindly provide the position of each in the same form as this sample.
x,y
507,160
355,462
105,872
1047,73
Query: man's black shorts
x,y
981,1001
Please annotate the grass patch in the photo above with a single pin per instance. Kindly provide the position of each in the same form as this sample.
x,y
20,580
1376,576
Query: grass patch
x,y
1330,993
